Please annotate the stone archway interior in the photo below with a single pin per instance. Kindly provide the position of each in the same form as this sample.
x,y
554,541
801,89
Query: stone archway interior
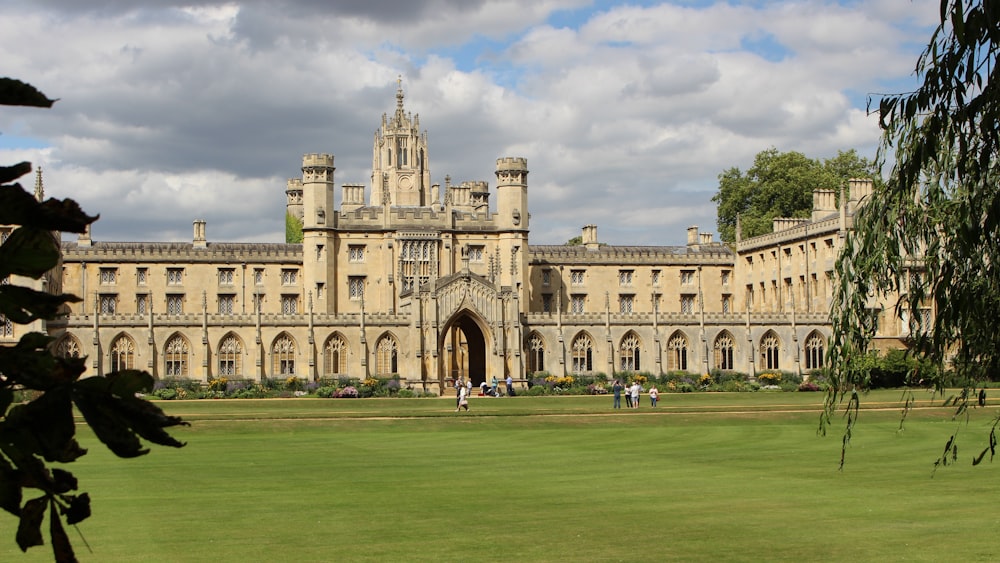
x,y
468,351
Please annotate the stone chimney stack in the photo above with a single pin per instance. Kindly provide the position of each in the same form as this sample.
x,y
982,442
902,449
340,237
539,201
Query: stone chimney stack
x,y
824,203
589,237
199,234
84,239
692,235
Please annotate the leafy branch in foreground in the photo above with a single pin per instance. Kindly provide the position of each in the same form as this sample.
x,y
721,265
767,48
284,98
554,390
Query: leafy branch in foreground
x,y
41,431
929,240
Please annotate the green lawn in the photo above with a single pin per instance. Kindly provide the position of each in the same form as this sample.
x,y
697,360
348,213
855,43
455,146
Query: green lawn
x,y
704,477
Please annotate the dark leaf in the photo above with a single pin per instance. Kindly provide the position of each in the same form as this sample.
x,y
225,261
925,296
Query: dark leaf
x,y
24,305
63,481
11,173
18,207
45,427
14,92
29,530
61,548
10,488
28,252
78,509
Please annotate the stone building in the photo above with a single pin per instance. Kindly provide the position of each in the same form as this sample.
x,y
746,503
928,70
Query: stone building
x,y
430,282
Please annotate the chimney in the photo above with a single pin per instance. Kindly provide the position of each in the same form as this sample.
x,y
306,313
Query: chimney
x,y
859,189
824,203
84,238
199,234
706,238
589,237
692,235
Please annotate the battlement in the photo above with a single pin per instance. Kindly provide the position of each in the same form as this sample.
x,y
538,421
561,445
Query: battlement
x,y
476,186
317,160
294,185
512,163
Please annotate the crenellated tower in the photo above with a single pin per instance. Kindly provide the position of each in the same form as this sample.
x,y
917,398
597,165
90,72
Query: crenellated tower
x,y
512,221
399,159
318,223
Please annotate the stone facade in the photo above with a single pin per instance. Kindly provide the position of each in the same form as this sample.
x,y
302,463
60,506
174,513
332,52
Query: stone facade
x,y
430,282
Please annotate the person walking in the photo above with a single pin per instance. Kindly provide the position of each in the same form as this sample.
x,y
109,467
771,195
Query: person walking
x,y
628,395
636,389
463,399
510,386
616,388
654,395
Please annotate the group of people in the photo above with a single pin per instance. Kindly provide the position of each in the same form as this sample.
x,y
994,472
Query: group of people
x,y
632,393
463,390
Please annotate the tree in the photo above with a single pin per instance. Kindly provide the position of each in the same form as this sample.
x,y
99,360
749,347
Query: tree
x,y
293,229
38,389
780,185
931,234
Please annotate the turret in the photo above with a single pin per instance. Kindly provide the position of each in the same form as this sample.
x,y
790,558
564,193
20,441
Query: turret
x,y
399,155
512,192
318,222
317,190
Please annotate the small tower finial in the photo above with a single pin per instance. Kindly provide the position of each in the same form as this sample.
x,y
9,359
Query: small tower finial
x,y
39,188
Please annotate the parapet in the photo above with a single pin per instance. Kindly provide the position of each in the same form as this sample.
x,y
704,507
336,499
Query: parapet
x,y
317,159
512,163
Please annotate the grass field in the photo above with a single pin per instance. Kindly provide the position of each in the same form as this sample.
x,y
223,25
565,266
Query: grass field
x,y
704,477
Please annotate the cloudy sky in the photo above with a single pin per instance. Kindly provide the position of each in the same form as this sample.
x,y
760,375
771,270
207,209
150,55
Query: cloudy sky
x,y
627,112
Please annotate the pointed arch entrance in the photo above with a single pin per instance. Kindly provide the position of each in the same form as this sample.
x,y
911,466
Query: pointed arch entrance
x,y
463,349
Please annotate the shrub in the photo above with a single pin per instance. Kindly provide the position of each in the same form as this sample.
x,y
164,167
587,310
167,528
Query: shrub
x,y
808,386
349,392
769,378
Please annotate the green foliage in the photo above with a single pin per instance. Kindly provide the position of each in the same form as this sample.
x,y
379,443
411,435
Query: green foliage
x,y
779,185
42,430
930,235
575,241
293,229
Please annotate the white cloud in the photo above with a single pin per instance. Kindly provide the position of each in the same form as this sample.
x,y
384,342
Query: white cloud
x,y
187,110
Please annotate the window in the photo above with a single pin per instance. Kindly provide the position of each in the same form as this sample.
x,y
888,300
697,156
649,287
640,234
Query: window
x,y
141,304
289,277
725,277
356,253
629,353
226,276
655,277
6,327
283,353
625,303
226,303
109,276
677,357
258,302
122,354
140,276
335,356
687,277
546,302
4,233
175,276
68,347
625,278
320,286
546,277
814,351
386,357
724,351
687,304
175,357
289,304
576,303
230,356
109,304
769,348
576,277
476,253
356,287
583,354
536,354
727,304
175,304
258,276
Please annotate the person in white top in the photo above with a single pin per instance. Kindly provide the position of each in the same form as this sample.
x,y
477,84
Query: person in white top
x,y
654,394
463,398
636,388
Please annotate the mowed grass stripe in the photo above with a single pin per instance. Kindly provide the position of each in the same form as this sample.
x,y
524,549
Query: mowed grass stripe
x,y
735,486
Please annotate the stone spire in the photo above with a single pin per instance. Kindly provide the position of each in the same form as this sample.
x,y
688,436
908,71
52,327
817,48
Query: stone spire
x,y
39,188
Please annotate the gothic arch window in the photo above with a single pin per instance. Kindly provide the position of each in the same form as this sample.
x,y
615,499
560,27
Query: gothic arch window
x,y
68,347
536,353
628,352
583,354
175,357
283,355
677,352
335,355
386,356
815,346
770,346
122,353
724,345
230,356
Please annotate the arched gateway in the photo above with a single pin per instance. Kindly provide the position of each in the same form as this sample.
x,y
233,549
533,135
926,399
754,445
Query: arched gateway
x,y
469,330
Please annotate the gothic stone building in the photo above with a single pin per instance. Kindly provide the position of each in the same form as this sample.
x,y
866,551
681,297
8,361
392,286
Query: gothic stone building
x,y
429,282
